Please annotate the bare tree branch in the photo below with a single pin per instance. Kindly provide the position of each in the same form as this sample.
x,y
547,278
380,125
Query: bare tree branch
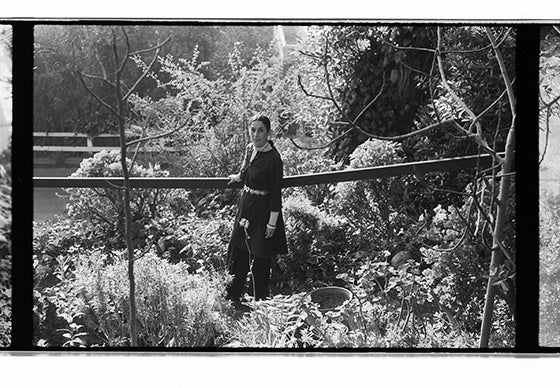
x,y
503,70
308,94
127,53
479,135
100,78
550,103
417,132
144,127
338,138
145,73
130,143
407,47
156,47
371,102
414,69
99,99
487,110
547,133
115,54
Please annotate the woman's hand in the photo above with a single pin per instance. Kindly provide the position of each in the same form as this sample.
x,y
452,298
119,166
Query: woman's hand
x,y
269,231
234,178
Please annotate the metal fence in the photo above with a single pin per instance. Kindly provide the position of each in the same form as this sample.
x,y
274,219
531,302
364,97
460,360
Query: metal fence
x,y
413,168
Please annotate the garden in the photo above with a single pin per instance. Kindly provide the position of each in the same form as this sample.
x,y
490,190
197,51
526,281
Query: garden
x,y
428,259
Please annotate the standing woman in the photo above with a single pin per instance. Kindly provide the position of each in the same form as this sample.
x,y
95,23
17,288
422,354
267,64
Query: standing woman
x,y
260,204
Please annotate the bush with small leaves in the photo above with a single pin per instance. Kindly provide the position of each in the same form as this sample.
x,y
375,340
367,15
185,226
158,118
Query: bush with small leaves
x,y
175,307
373,207
104,207
318,246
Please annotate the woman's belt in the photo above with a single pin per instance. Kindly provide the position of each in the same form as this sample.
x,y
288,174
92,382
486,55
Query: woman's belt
x,y
254,191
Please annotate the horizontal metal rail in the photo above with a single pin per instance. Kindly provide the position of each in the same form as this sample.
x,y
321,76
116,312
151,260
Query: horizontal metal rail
x,y
94,149
423,167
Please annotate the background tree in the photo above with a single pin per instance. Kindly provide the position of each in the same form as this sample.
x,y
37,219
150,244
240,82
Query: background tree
x,y
60,105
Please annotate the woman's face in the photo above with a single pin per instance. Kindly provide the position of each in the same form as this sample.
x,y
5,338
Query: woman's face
x,y
258,133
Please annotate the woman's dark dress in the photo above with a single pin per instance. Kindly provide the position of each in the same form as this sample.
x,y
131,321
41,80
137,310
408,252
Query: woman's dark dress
x,y
264,173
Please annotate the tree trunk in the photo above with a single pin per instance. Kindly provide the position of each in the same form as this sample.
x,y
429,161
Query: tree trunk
x,y
127,214
497,253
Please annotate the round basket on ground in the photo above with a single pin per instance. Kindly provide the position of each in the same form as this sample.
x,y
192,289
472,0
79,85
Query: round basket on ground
x,y
329,298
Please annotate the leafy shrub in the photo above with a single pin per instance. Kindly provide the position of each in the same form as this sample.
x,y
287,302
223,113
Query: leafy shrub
x,y
56,301
200,243
104,208
459,260
441,290
5,257
175,308
317,246
52,238
272,323
295,322
373,207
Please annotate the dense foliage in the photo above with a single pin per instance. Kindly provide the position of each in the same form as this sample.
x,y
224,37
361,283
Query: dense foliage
x,y
88,305
5,249
60,50
413,250
104,207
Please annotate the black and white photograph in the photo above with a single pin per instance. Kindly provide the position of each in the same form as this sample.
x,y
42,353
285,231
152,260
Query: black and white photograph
x,y
278,186
5,185
549,176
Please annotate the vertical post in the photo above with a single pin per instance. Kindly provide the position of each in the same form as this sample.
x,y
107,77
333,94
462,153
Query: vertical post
x,y
89,144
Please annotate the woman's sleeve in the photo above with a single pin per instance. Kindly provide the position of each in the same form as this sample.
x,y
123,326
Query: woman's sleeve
x,y
276,185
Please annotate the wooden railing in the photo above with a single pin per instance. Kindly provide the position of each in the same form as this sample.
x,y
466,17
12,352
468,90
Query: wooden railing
x,y
420,168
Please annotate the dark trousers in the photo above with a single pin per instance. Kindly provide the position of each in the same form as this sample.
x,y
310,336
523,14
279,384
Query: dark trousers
x,y
239,267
